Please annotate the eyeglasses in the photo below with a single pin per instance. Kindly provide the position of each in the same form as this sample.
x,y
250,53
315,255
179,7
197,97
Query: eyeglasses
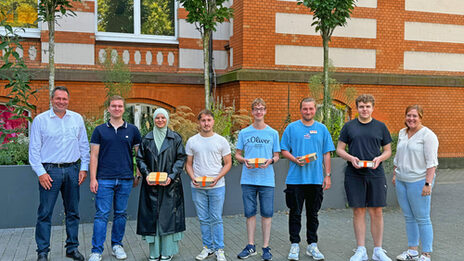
x,y
259,109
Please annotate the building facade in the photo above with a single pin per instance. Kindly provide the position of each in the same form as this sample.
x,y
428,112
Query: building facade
x,y
403,52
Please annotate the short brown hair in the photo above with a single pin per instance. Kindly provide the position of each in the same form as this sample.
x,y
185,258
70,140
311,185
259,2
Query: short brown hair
x,y
205,112
416,107
256,102
365,98
307,99
116,98
59,88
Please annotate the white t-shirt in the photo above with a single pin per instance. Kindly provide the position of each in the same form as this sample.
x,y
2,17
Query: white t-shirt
x,y
207,155
415,155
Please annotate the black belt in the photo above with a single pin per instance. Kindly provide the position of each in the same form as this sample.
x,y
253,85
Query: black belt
x,y
61,165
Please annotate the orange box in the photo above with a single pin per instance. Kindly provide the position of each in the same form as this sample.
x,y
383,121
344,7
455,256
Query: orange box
x,y
256,162
204,181
157,178
308,158
366,164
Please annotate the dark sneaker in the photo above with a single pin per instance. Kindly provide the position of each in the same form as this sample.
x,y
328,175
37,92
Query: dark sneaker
x,y
267,256
249,250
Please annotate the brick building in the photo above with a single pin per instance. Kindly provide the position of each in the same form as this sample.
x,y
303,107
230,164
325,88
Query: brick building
x,y
403,51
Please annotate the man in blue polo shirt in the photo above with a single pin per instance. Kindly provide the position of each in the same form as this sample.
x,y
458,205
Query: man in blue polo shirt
x,y
112,176
306,181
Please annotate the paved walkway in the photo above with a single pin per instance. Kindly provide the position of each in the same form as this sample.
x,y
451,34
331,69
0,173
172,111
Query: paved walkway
x,y
336,238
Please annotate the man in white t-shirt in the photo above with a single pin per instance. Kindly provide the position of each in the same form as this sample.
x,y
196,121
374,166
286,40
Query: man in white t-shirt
x,y
205,153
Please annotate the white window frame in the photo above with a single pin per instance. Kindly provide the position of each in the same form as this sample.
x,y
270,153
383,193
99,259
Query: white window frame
x,y
137,37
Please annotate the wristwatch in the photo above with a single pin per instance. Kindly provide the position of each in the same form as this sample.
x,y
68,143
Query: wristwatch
x,y
427,184
328,174
272,161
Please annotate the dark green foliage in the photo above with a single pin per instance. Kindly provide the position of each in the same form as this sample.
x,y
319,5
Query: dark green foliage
x,y
206,14
15,152
327,15
49,8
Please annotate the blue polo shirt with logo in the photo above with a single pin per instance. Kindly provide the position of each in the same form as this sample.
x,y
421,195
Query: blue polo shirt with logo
x,y
301,140
115,155
258,144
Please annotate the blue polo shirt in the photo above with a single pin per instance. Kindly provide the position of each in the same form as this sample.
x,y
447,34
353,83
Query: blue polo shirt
x,y
115,155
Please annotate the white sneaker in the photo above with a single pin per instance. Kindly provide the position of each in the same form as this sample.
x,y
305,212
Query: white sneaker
x,y
220,255
423,258
119,252
406,255
205,253
313,251
380,255
95,257
165,258
360,254
294,252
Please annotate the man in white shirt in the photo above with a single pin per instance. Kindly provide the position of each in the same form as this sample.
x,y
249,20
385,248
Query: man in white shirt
x,y
58,141
205,153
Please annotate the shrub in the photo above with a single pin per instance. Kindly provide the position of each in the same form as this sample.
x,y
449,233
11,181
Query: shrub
x,y
15,152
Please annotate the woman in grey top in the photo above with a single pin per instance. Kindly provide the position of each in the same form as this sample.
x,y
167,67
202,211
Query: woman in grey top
x,y
415,164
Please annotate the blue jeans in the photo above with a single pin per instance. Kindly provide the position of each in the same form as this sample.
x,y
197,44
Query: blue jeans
x,y
209,204
266,200
111,192
416,210
66,181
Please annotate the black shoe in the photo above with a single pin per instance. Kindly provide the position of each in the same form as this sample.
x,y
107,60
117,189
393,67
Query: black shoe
x,y
42,257
75,255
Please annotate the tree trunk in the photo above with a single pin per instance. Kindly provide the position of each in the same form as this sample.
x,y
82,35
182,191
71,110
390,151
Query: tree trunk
x,y
326,101
51,53
206,37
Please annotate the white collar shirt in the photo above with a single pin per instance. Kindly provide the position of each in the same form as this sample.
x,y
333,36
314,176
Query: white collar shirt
x,y
58,140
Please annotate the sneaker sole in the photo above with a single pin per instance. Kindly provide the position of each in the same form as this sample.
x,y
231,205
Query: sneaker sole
x,y
309,254
118,258
199,259
251,254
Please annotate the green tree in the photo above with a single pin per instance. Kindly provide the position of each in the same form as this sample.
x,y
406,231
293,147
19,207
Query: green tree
x,y
206,14
116,77
337,113
49,11
327,15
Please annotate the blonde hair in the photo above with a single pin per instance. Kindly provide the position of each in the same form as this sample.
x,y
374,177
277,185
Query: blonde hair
x,y
258,101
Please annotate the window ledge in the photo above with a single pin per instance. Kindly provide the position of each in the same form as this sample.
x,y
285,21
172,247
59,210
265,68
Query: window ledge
x,y
133,38
27,33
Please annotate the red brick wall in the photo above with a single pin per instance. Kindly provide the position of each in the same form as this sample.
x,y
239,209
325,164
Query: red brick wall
x,y
443,106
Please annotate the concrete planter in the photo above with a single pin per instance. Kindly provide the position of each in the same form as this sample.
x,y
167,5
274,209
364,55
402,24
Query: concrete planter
x,y
19,192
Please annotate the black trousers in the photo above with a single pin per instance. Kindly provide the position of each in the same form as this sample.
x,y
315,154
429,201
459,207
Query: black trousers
x,y
311,196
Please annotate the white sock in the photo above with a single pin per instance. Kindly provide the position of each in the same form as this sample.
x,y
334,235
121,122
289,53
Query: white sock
x,y
413,252
362,247
378,249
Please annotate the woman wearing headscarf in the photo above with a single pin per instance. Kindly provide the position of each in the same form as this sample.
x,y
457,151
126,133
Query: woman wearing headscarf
x,y
161,217
415,163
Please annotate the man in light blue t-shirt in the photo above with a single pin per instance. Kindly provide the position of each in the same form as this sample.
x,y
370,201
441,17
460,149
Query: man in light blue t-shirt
x,y
306,181
258,141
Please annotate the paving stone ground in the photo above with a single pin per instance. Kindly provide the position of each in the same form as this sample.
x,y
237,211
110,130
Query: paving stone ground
x,y
336,237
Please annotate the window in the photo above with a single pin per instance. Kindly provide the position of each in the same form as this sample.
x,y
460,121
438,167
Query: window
x,y
141,115
137,20
20,14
